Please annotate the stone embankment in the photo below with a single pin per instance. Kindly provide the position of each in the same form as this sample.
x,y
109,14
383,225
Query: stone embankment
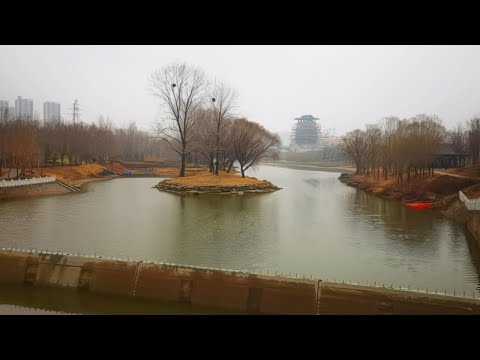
x,y
33,191
219,288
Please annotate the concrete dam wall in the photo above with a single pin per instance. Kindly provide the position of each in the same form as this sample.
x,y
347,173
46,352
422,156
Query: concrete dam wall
x,y
235,290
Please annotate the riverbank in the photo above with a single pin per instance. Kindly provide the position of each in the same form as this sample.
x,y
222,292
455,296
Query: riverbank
x,y
440,189
30,191
430,188
74,176
206,183
79,176
452,208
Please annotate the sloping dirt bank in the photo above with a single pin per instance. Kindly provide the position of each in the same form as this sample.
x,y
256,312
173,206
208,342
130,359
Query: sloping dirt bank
x,y
417,189
76,176
452,208
81,174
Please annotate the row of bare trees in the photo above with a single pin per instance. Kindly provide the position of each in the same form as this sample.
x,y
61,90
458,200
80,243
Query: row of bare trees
x,y
465,142
411,146
199,119
198,122
396,147
27,143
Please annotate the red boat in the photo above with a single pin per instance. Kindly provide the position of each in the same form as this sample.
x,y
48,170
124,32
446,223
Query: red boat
x,y
424,205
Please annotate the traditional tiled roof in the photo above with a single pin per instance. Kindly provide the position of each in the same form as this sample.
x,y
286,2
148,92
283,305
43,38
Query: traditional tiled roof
x,y
306,117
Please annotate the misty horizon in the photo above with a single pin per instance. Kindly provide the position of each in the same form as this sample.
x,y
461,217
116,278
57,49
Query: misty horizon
x,y
345,86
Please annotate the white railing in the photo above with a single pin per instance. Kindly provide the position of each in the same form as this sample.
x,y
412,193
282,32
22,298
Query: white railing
x,y
23,182
470,204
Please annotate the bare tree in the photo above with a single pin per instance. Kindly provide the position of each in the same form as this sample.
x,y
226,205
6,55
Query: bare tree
x,y
355,145
203,142
373,140
180,88
3,139
474,140
251,142
398,146
222,100
458,139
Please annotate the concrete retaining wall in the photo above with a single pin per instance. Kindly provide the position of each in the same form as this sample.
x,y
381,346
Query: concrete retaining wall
x,y
216,288
363,300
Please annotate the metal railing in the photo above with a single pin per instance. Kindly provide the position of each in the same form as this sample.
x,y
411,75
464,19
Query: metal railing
x,y
474,295
470,204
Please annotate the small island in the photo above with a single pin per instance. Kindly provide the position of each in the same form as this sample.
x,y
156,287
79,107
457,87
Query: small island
x,y
223,183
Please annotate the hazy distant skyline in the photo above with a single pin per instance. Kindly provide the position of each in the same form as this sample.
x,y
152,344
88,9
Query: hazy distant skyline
x,y
345,86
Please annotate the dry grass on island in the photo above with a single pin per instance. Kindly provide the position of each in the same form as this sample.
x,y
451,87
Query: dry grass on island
x,y
204,182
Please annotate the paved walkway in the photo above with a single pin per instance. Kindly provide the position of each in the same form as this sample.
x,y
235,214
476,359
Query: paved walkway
x,y
455,175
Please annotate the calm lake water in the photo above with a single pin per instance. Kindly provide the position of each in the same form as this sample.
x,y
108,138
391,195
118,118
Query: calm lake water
x,y
314,226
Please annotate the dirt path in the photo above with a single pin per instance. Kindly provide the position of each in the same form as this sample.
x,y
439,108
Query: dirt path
x,y
455,175
310,167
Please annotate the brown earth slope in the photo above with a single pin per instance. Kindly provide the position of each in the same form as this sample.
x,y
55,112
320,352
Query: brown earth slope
x,y
417,189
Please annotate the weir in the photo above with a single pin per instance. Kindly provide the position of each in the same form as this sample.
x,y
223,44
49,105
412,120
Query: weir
x,y
221,288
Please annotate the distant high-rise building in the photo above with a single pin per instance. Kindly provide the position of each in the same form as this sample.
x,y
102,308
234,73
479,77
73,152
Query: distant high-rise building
x,y
23,107
51,111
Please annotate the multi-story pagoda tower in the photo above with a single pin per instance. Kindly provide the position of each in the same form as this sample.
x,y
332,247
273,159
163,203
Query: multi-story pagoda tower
x,y
306,131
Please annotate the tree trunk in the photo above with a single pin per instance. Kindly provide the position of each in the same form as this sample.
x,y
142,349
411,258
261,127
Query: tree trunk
x,y
216,163
357,165
217,142
230,166
243,171
182,169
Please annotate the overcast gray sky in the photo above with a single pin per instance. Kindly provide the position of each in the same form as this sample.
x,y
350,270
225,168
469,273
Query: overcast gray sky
x,y
345,86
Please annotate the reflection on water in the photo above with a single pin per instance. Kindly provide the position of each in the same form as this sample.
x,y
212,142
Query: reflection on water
x,y
314,226
28,300
6,309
